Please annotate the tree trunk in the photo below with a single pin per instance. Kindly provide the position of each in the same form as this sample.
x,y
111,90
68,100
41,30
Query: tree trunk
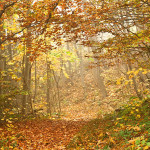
x,y
35,83
48,87
97,75
98,78
69,63
1,57
134,81
26,100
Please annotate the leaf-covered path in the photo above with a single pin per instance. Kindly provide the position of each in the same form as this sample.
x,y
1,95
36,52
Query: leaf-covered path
x,y
45,134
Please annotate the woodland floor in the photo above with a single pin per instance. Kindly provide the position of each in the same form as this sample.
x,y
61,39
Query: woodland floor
x,y
83,124
44,134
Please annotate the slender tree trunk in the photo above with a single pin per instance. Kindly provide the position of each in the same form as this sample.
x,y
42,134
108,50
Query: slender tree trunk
x,y
97,75
35,84
58,95
48,87
58,90
78,55
99,79
127,76
26,100
1,57
1,69
134,82
82,70
69,63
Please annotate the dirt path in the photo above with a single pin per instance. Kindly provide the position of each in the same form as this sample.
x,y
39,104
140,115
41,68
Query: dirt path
x,y
46,134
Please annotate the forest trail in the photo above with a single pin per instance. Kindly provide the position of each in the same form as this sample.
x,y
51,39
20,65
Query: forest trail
x,y
44,134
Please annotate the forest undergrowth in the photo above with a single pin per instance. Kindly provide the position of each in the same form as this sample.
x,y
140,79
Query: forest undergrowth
x,y
116,122
127,128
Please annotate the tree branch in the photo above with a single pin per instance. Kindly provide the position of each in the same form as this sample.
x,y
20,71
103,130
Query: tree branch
x,y
5,7
50,16
8,37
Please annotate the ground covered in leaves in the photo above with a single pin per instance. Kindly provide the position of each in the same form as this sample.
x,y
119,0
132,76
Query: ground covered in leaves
x,y
127,128
39,134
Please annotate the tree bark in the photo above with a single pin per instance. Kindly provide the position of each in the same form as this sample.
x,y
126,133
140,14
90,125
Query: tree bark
x,y
26,100
134,81
97,75
48,87
98,78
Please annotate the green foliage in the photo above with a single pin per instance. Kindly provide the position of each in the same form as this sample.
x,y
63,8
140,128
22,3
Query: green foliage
x,y
87,136
8,143
9,139
134,110
8,108
129,129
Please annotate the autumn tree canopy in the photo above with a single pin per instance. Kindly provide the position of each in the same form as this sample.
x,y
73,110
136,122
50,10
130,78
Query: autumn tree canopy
x,y
74,60
33,29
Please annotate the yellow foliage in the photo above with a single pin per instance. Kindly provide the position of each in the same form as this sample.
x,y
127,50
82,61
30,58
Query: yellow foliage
x,y
131,76
11,112
118,82
20,46
145,71
129,72
138,116
126,82
136,72
100,135
6,109
132,141
66,75
132,112
146,147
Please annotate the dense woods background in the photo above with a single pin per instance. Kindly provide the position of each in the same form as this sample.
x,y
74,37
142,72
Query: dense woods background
x,y
77,59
